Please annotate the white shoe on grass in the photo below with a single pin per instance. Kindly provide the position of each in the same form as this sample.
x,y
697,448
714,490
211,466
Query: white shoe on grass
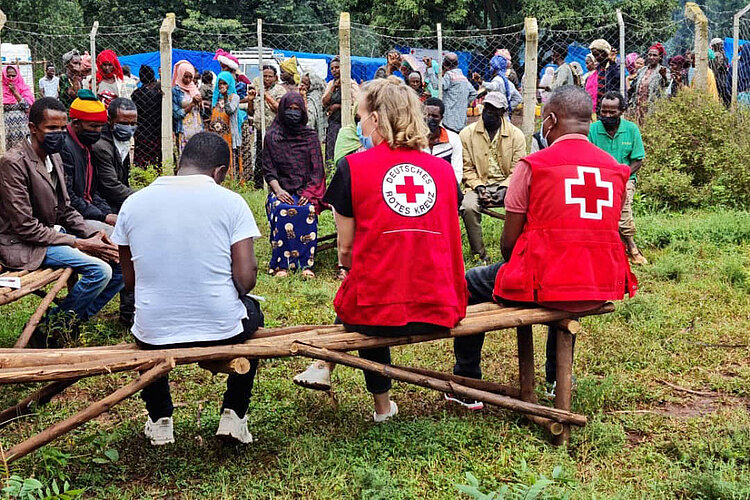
x,y
383,417
317,376
160,432
230,425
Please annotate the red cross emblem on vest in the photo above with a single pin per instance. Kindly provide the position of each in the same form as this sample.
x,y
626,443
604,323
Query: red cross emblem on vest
x,y
410,189
590,192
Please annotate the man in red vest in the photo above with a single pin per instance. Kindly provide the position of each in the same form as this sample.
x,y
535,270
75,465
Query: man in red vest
x,y
560,241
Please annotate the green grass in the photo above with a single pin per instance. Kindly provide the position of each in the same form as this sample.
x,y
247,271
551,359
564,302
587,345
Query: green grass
x,y
644,440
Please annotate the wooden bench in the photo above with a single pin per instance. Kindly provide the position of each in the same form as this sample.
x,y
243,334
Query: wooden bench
x,y
33,282
63,367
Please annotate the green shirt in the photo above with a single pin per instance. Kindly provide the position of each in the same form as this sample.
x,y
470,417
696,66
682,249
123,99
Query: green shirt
x,y
626,146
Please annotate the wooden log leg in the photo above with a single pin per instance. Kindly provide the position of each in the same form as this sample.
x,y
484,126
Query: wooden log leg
x,y
42,309
525,338
92,411
389,371
483,385
563,389
40,397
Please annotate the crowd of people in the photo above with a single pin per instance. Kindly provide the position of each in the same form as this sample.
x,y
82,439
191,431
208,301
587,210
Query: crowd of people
x,y
181,251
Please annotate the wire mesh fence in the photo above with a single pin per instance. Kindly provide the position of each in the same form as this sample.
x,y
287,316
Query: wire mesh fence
x,y
34,47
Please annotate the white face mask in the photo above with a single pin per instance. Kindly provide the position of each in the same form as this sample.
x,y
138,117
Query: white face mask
x,y
545,136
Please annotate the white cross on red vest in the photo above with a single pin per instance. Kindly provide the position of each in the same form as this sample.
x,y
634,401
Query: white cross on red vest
x,y
590,192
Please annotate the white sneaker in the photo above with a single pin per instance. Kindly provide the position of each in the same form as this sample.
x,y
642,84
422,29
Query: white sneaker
x,y
160,432
317,376
230,425
383,417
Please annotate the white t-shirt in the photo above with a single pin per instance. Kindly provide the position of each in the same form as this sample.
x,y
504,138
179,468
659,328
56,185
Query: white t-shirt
x,y
49,87
180,230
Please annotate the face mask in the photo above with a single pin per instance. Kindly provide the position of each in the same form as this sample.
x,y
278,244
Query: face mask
x,y
545,137
610,122
433,125
366,141
88,137
293,116
53,142
122,132
491,121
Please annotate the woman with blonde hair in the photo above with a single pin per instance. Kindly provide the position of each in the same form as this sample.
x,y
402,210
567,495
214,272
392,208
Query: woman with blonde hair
x,y
398,232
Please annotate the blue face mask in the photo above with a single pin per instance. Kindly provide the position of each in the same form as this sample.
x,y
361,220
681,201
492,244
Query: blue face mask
x,y
366,141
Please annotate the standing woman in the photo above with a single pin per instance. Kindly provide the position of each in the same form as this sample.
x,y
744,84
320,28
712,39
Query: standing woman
x,y
17,99
70,80
394,203
311,87
590,81
650,82
293,169
225,105
186,104
147,99
332,103
109,77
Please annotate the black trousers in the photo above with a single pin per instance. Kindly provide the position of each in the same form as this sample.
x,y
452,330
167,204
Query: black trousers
x,y
376,383
239,387
468,349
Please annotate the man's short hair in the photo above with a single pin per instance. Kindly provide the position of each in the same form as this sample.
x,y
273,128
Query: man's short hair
x,y
571,101
49,65
560,48
36,113
450,60
126,70
205,151
434,101
207,77
614,95
272,68
119,103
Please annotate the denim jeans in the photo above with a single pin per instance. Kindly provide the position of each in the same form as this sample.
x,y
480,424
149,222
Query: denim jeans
x,y
239,387
98,281
468,349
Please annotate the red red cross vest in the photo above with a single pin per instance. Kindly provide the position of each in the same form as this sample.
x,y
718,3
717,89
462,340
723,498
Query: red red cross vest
x,y
570,248
407,262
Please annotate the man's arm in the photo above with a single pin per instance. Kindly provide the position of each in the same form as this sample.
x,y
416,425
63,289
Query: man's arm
x,y
472,94
86,209
471,176
457,161
635,166
128,271
638,153
512,229
110,186
345,228
244,266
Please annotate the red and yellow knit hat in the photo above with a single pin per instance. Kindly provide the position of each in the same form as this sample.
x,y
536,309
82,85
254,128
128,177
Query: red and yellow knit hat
x,y
88,108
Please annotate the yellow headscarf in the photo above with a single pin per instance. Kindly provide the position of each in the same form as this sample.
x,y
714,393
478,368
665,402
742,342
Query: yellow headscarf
x,y
290,66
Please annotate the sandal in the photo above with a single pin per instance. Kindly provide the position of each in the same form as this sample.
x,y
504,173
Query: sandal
x,y
307,274
281,273
342,273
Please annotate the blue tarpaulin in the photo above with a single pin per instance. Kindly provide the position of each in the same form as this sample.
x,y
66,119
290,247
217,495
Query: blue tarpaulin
x,y
729,47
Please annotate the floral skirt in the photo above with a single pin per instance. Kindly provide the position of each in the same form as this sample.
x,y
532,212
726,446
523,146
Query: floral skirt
x,y
294,234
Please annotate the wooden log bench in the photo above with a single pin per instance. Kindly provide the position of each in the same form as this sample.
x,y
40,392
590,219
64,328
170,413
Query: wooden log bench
x,y
34,282
61,368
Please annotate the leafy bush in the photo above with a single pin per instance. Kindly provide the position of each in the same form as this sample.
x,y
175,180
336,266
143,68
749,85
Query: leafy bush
x,y
697,154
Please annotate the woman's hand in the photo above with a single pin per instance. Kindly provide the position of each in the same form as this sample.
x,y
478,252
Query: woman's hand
x,y
284,196
303,201
198,99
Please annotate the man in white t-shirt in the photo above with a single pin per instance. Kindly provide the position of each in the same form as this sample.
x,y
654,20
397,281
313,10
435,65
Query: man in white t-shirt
x,y
186,248
49,85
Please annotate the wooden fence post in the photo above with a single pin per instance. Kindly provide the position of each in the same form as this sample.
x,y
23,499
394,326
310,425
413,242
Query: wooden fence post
x,y
440,59
2,115
621,24
735,53
695,14
92,41
345,37
530,78
165,75
261,87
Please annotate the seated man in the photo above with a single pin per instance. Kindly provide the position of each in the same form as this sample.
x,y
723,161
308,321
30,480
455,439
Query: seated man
x,y
563,207
444,143
491,147
39,227
87,118
110,155
191,282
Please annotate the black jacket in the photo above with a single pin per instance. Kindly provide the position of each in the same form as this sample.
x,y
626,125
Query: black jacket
x,y
74,163
112,174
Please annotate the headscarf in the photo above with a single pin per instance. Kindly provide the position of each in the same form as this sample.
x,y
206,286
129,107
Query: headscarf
x,y
68,56
715,42
499,64
630,60
659,48
347,141
180,69
504,53
110,57
290,66
147,75
295,140
85,63
227,59
601,44
26,93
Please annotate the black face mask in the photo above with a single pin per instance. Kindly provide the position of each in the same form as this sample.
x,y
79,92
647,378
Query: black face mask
x,y
610,122
433,124
491,121
88,137
293,116
122,132
53,142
